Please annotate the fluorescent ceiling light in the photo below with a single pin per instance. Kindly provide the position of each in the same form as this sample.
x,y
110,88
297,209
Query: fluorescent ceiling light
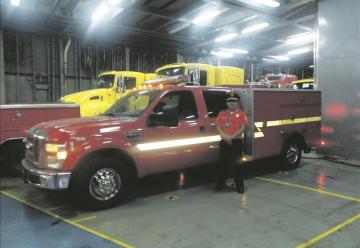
x,y
249,18
114,2
100,12
267,3
222,54
178,28
311,66
15,3
300,38
281,57
206,16
298,51
254,28
268,59
236,50
226,37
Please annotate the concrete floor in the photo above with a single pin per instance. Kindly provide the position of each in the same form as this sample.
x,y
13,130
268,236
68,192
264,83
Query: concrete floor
x,y
278,209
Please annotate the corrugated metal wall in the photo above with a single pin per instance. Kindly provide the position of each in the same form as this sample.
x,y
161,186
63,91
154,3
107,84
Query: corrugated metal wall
x,y
34,68
338,70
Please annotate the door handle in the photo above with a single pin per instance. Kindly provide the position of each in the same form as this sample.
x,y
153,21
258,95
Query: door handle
x,y
202,129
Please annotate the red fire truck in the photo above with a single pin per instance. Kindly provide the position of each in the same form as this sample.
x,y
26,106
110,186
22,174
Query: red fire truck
x,y
161,129
15,119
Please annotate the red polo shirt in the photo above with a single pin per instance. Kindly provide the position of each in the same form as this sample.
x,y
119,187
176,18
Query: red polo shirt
x,y
230,121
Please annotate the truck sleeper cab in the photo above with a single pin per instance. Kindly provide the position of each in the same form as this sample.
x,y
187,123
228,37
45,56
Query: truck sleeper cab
x,y
163,129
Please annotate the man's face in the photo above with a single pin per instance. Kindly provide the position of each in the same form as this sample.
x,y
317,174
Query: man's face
x,y
232,105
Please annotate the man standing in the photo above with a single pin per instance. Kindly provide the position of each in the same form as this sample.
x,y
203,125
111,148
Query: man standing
x,y
231,126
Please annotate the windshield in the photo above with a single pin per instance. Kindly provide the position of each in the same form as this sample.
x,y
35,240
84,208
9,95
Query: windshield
x,y
174,71
133,104
104,82
273,78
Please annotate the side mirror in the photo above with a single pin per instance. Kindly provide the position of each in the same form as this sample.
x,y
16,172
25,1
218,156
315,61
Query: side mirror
x,y
165,118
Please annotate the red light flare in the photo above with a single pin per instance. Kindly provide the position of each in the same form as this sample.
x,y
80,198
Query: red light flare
x,y
321,180
336,111
327,130
356,112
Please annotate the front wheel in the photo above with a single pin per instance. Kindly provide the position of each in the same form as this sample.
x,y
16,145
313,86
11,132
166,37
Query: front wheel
x,y
101,183
291,154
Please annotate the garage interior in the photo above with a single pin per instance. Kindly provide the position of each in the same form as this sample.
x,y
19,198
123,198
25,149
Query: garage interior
x,y
49,49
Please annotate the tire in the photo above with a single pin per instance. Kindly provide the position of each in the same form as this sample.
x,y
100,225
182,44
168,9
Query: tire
x,y
291,154
91,190
11,154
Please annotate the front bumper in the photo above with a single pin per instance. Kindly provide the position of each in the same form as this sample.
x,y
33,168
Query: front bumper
x,y
45,178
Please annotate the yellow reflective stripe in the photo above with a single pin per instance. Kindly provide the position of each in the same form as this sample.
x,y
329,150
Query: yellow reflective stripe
x,y
177,143
258,134
316,118
294,121
259,124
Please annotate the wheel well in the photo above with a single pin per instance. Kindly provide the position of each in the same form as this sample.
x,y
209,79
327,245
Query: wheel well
x,y
115,153
298,137
10,141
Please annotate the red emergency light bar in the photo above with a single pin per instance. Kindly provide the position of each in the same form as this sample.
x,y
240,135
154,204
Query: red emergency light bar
x,y
174,80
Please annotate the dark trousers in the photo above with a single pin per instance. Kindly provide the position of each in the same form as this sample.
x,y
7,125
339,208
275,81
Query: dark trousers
x,y
230,155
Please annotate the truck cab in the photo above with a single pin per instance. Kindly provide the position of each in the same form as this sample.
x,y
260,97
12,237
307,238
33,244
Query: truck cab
x,y
280,80
108,88
204,74
163,129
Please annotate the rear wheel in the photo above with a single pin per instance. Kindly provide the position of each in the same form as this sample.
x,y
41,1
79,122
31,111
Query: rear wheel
x,y
101,183
291,154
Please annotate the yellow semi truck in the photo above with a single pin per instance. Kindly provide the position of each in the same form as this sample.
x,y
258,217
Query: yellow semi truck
x,y
109,87
203,74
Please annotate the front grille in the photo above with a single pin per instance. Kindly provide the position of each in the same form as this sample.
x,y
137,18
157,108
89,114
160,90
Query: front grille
x,y
32,153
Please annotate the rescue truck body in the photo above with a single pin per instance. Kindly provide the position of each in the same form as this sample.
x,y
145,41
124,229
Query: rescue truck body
x,y
15,119
162,129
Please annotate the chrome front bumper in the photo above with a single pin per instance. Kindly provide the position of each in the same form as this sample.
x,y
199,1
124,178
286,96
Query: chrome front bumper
x,y
45,178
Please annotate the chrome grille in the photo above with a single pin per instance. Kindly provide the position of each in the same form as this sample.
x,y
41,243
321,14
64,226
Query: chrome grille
x,y
32,152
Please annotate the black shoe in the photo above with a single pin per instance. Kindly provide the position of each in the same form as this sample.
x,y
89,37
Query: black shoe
x,y
219,187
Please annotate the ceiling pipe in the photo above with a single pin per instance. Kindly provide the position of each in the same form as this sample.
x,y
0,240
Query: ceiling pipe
x,y
67,46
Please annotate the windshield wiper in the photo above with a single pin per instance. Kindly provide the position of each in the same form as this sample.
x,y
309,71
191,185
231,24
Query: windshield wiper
x,y
112,114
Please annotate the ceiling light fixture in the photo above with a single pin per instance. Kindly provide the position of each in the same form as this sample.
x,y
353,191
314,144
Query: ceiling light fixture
x,y
226,37
300,38
255,28
100,12
15,2
222,54
280,57
299,51
206,16
311,66
267,3
179,28
236,50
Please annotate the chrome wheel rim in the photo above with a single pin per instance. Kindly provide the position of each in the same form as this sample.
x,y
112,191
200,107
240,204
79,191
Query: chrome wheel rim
x,y
292,154
105,184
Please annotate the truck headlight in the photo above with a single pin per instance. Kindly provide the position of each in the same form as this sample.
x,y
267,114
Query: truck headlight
x,y
55,154
61,100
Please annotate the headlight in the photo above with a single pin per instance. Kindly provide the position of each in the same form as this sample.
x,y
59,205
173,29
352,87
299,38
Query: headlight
x,y
55,154
61,100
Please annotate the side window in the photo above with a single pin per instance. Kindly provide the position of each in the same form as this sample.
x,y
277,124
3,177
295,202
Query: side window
x,y
215,102
130,83
180,103
203,78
